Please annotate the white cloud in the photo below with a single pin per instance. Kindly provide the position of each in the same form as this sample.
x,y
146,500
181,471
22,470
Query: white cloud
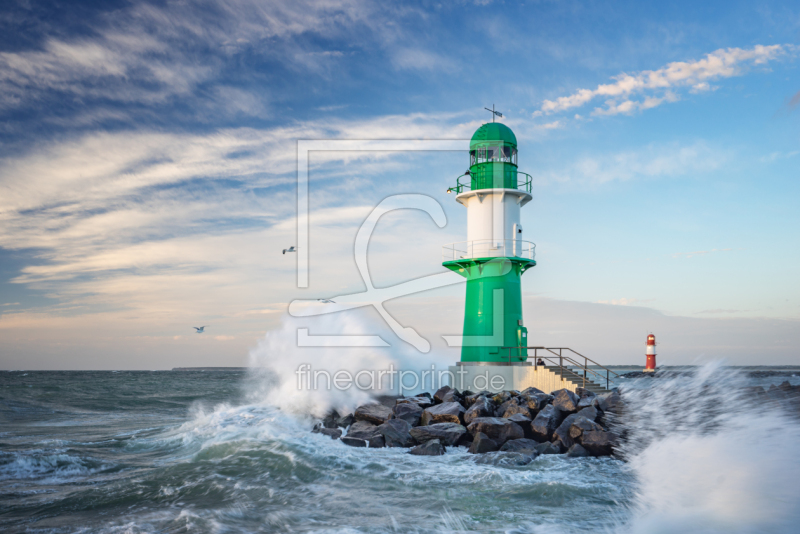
x,y
722,63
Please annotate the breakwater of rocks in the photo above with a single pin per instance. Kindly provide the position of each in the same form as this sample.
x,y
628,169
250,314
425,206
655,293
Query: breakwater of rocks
x,y
516,426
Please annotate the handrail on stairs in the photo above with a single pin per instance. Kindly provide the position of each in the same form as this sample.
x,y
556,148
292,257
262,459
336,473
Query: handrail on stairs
x,y
562,358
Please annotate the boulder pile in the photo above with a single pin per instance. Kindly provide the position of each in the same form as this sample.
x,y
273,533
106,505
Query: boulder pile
x,y
514,426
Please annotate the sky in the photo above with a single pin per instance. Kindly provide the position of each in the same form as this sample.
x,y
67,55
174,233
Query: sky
x,y
149,156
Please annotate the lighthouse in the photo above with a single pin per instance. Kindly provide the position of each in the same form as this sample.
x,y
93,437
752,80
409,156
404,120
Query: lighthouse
x,y
495,255
650,366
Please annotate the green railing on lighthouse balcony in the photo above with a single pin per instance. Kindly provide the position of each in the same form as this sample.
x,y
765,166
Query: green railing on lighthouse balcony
x,y
482,179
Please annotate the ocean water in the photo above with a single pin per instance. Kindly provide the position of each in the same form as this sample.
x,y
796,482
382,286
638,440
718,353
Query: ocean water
x,y
172,451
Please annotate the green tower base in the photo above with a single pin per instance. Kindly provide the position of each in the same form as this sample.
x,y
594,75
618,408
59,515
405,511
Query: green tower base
x,y
493,310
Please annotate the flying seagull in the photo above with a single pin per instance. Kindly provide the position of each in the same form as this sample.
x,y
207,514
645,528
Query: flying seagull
x,y
290,249
327,301
200,329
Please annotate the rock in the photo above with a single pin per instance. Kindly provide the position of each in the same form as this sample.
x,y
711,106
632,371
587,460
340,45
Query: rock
x,y
331,419
524,423
376,443
447,412
465,440
354,442
408,412
467,393
506,405
426,394
561,435
317,428
504,459
333,433
440,393
525,446
565,400
545,423
429,448
786,387
481,407
498,429
586,401
581,425
589,413
345,421
548,448
599,442
395,433
531,391
501,397
537,402
469,400
576,451
363,430
376,414
517,409
421,401
481,444
447,433
611,402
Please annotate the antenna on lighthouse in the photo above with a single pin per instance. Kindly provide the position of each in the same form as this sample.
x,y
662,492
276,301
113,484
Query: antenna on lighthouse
x,y
494,113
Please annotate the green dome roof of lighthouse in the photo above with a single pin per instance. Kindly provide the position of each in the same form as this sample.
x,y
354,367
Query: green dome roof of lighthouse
x,y
493,132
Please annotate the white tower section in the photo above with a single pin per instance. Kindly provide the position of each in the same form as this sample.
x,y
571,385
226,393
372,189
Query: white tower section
x,y
493,222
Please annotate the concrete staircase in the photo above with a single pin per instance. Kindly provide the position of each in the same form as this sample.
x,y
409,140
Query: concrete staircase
x,y
568,375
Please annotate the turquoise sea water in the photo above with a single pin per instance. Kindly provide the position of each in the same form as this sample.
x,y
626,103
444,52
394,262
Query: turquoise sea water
x,y
200,452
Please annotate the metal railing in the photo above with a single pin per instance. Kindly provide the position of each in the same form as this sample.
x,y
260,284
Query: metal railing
x,y
489,248
570,364
524,182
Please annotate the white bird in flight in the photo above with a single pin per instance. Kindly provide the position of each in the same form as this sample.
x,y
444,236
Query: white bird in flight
x,y
200,329
290,249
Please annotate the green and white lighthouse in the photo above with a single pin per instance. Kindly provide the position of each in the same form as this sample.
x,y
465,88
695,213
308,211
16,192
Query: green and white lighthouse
x,y
495,255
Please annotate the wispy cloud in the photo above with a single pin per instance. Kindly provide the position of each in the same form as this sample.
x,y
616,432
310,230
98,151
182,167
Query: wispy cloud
x,y
653,161
662,83
625,301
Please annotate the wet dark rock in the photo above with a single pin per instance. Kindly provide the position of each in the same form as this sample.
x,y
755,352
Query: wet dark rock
x,y
517,409
576,451
447,412
330,420
537,402
447,433
524,446
354,442
611,402
395,433
333,433
429,448
498,429
376,414
524,423
546,422
589,413
482,407
598,442
467,393
561,435
438,397
501,397
565,400
548,448
532,391
482,444
376,443
785,386
420,400
363,430
345,421
469,400
504,459
587,400
505,406
581,425
408,412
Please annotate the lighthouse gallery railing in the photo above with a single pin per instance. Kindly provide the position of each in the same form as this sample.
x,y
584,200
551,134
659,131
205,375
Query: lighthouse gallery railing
x,y
486,181
489,248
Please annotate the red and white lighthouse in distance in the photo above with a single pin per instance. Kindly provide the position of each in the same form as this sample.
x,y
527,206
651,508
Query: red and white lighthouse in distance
x,y
650,367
